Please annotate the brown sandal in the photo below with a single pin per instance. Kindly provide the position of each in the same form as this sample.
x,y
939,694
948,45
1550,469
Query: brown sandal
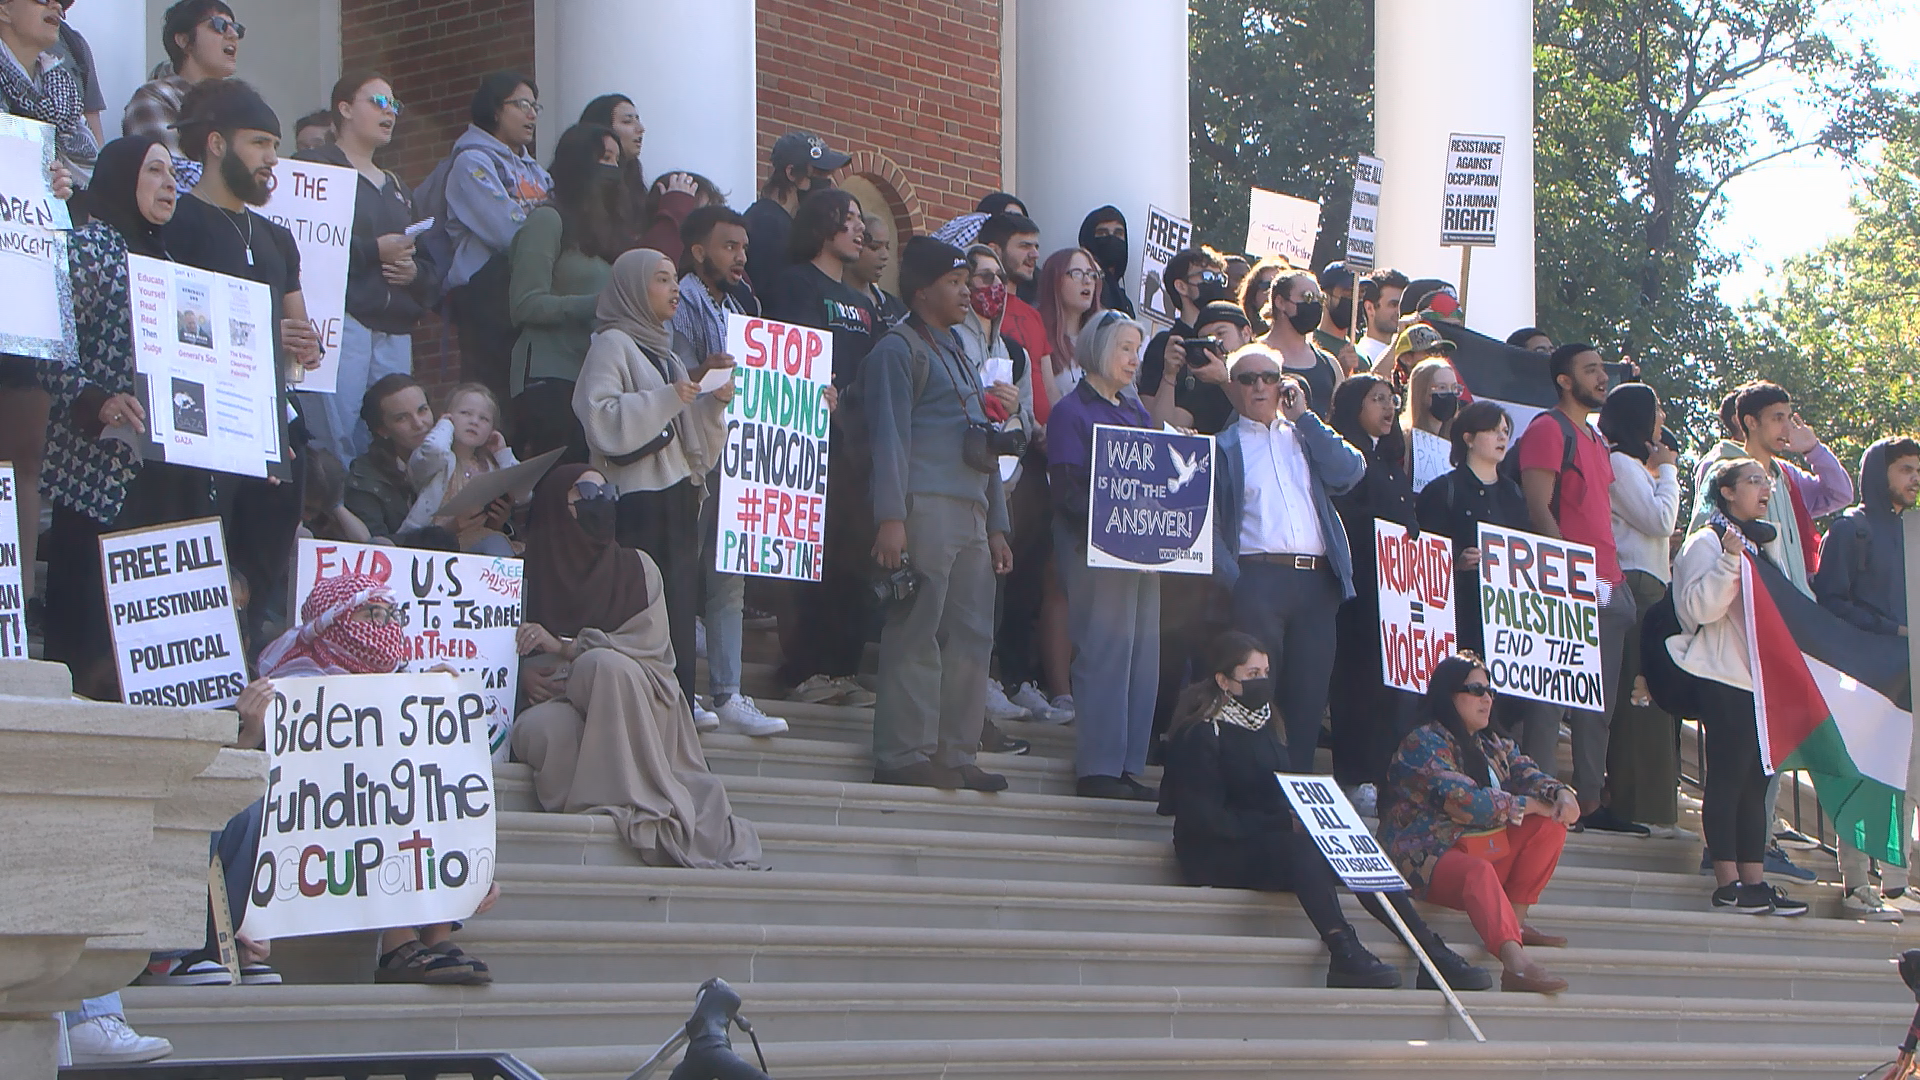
x,y
413,962
481,976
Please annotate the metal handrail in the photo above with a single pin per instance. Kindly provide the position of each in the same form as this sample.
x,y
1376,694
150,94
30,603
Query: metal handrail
x,y
423,1065
1798,816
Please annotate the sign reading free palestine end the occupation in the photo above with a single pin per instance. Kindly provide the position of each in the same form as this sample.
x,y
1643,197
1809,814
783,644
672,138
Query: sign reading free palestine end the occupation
x,y
1470,208
773,466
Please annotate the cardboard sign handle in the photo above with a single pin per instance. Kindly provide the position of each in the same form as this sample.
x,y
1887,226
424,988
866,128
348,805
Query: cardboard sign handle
x,y
1439,979
218,900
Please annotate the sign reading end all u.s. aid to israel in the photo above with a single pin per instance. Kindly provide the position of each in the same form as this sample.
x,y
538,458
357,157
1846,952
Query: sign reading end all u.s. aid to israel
x,y
1151,503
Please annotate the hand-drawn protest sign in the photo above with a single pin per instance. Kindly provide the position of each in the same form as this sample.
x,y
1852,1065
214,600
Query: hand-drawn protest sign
x,y
1320,806
13,599
176,638
1416,604
1470,211
1282,225
458,610
1166,236
315,203
1363,224
1151,507
37,319
380,806
1540,609
773,469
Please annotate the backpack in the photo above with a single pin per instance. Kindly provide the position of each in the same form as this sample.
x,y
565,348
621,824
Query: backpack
x,y
1674,688
851,416
1510,465
430,200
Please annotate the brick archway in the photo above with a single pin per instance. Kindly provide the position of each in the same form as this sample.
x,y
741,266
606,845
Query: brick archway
x,y
903,202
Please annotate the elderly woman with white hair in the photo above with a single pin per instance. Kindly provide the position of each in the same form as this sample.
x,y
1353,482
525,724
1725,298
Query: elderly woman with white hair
x,y
1113,616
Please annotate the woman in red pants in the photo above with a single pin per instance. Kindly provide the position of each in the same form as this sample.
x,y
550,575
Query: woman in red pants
x,y
1474,824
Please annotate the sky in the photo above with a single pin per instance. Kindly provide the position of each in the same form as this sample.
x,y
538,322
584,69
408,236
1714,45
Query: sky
x,y
1796,204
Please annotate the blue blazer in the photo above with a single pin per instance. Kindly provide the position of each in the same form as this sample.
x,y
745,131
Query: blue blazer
x,y
1334,467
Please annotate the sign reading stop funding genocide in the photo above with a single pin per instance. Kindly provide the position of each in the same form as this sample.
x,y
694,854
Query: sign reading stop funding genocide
x,y
176,638
380,805
314,202
1151,507
1470,212
1540,610
1364,222
1167,236
13,601
1416,604
773,468
458,610
1336,827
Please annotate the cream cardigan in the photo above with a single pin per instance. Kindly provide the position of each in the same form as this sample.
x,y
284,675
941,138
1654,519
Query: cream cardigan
x,y
623,402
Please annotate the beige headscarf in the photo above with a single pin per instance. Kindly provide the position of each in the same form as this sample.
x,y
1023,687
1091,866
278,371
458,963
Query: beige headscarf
x,y
623,303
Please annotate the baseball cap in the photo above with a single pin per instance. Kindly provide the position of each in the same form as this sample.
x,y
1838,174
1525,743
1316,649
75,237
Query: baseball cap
x,y
1335,275
1421,338
806,148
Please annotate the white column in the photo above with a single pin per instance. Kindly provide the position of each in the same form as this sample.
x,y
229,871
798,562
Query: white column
x,y
688,65
116,31
1101,115
1413,114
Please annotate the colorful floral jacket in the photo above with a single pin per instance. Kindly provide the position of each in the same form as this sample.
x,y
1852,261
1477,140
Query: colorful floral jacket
x,y
1431,801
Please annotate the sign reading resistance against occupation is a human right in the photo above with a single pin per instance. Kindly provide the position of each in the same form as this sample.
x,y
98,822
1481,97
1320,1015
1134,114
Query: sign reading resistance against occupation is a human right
x,y
176,637
1540,610
1470,212
1335,826
1151,506
773,467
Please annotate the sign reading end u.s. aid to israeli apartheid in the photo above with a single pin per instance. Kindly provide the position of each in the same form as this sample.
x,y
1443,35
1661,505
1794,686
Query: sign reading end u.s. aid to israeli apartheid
x,y
1540,613
380,805
1470,208
773,467
1417,610
176,637
1337,829
1151,504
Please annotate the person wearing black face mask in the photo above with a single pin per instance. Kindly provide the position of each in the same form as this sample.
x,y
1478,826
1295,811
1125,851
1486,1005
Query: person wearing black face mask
x,y
1195,278
801,164
1104,235
1295,308
1332,335
1433,399
1232,827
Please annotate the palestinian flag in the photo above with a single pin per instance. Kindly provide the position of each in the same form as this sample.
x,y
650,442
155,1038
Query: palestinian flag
x,y
1516,378
1834,700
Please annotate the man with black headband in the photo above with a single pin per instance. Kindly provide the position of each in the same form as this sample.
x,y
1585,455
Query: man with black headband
x,y
228,128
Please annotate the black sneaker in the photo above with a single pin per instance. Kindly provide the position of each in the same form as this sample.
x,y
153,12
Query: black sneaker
x,y
974,778
995,741
1141,792
1745,899
1605,820
1350,966
1460,974
1783,905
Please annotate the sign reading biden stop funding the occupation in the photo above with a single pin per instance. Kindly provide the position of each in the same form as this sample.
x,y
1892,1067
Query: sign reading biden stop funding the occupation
x,y
176,639
380,805
1540,611
1416,604
1151,507
773,468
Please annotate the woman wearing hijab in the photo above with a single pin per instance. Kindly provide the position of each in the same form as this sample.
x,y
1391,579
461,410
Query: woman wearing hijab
x,y
651,431
99,485
1365,711
1103,235
610,731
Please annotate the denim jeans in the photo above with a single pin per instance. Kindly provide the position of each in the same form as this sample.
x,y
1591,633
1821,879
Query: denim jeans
x,y
366,356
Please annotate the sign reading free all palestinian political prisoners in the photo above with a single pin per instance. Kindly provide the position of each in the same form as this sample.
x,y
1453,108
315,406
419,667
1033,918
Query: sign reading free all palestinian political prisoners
x,y
773,468
1470,212
380,805
458,610
1416,604
315,202
37,319
1336,828
1540,609
1151,507
176,639
1363,223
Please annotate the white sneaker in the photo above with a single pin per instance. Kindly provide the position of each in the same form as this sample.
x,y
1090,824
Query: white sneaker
x,y
699,637
181,973
1865,903
854,694
107,1040
739,715
1906,901
704,719
1366,800
999,709
1030,698
1063,706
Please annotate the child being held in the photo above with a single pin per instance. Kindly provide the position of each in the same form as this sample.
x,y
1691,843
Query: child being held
x,y
463,444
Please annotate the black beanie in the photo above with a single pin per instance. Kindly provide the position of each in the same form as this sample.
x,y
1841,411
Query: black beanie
x,y
925,260
1222,311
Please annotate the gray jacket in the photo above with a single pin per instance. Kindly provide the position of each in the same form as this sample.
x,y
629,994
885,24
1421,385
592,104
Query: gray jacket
x,y
1335,467
917,415
490,191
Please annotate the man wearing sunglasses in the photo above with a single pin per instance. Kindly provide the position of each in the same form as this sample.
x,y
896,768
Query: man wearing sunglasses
x,y
202,40
1196,378
1278,543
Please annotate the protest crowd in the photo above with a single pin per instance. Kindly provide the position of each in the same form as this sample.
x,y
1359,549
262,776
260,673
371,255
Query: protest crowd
x,y
976,416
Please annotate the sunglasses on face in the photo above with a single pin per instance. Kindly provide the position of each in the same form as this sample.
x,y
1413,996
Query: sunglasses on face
x,y
387,102
587,489
223,26
1248,378
1208,277
1479,689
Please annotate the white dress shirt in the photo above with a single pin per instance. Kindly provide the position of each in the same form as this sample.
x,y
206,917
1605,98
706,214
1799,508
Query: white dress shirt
x,y
1279,517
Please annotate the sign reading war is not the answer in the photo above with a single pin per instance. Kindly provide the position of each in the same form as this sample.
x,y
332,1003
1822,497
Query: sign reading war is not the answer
x,y
315,202
1151,505
1417,610
380,805
773,468
1341,835
176,637
459,610
1470,211
13,600
1540,611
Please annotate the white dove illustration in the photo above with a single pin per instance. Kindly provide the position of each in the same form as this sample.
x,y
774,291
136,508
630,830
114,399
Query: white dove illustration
x,y
1183,468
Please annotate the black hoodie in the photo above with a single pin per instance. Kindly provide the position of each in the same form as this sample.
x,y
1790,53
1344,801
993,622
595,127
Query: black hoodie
x,y
1863,575
1113,263
378,212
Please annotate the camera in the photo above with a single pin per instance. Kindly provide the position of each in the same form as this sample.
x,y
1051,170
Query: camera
x,y
1200,350
984,445
898,586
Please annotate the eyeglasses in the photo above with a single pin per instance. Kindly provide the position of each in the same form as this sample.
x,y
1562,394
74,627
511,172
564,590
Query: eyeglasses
x,y
1479,689
381,614
223,26
1754,479
387,102
527,105
1081,273
1248,378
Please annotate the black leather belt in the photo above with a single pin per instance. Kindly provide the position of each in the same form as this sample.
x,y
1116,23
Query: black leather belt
x,y
1282,558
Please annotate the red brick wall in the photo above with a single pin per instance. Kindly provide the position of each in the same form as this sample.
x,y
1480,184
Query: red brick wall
x,y
910,87
434,52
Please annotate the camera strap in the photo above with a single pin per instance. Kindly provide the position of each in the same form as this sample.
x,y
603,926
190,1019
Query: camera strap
x,y
966,375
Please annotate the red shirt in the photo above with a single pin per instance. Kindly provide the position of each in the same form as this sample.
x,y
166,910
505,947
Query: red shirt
x,y
1586,512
